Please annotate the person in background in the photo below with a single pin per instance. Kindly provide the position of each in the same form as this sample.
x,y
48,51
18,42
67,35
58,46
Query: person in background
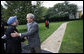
x,y
47,24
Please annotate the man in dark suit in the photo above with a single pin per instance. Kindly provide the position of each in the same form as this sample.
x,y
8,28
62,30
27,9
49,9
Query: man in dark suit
x,y
13,45
32,34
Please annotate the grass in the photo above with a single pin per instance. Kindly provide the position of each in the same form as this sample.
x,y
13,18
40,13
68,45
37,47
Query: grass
x,y
44,33
73,38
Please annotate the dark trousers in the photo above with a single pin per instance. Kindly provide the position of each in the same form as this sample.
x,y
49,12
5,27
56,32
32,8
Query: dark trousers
x,y
35,49
2,46
47,26
13,49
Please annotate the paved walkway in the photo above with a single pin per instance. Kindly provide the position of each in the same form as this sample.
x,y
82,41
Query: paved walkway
x,y
53,42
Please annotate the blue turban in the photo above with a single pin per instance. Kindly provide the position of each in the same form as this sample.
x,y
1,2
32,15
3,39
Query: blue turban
x,y
11,19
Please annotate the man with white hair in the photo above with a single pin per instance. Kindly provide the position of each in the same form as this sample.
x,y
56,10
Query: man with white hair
x,y
32,34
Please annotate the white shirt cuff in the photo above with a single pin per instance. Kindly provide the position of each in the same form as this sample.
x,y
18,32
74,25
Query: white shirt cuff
x,y
20,34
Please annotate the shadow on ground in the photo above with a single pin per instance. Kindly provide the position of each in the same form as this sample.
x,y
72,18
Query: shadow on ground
x,y
25,49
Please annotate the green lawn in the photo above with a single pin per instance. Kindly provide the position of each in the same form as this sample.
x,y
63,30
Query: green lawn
x,y
73,38
43,31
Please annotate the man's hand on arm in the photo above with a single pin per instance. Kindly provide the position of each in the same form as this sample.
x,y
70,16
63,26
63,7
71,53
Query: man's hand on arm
x,y
25,38
15,34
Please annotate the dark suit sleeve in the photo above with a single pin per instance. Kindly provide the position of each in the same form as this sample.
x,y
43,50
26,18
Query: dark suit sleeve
x,y
8,34
31,32
9,31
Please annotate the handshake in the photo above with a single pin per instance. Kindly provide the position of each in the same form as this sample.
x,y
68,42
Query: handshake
x,y
15,34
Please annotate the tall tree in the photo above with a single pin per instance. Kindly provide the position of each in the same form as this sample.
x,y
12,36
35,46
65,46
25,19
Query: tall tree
x,y
38,11
62,10
19,8
3,14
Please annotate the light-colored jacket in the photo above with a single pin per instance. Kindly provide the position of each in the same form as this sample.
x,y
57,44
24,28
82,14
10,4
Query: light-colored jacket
x,y
32,34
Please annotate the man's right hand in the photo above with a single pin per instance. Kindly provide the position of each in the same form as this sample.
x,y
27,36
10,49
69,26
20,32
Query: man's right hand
x,y
14,34
25,38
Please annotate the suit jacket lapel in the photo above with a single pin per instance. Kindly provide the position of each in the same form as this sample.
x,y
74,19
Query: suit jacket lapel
x,y
31,25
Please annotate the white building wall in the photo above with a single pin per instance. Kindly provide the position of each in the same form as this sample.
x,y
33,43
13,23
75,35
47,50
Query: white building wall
x,y
77,15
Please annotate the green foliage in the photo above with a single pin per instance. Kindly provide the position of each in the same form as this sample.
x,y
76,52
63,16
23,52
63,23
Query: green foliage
x,y
18,8
38,11
21,9
62,10
3,14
